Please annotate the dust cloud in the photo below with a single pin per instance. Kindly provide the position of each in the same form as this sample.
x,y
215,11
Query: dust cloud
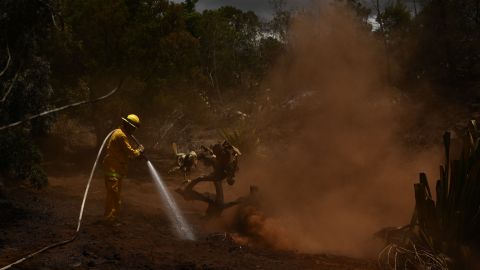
x,y
342,172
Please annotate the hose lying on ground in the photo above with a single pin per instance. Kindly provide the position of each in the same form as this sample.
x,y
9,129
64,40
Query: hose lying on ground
x,y
85,194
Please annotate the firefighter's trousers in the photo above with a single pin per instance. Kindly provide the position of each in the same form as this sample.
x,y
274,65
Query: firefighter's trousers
x,y
113,185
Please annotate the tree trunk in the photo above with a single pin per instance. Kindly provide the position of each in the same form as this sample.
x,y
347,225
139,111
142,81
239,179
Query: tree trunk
x,y
385,42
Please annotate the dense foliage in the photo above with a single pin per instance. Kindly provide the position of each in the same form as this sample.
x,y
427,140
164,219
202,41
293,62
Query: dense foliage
x,y
176,59
25,86
438,46
172,56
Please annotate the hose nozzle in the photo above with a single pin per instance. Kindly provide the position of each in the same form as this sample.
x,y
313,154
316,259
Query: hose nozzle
x,y
140,145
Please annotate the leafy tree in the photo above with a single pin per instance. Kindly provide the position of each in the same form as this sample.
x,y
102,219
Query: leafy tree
x,y
174,57
395,27
281,20
230,44
395,20
447,47
25,86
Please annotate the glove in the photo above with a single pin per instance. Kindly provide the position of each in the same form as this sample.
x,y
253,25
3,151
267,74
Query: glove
x,y
141,149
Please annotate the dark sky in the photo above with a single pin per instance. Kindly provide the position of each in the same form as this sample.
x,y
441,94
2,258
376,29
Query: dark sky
x,y
263,8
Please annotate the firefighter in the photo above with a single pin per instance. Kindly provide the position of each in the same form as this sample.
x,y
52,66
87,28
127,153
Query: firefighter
x,y
115,164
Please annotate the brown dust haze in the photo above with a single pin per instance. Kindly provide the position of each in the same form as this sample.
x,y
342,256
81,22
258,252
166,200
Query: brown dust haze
x,y
344,172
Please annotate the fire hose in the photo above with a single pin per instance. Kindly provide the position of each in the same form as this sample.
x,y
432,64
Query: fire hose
x,y
85,194
139,145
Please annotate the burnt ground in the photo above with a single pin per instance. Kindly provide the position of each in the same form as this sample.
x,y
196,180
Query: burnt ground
x,y
32,219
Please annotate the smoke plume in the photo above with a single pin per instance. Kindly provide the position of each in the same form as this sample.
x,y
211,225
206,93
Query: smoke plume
x,y
341,171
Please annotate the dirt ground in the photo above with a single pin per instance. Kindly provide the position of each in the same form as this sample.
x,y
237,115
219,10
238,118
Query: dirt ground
x,y
32,219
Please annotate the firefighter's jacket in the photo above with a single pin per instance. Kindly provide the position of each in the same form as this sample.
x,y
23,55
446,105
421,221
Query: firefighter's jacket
x,y
119,151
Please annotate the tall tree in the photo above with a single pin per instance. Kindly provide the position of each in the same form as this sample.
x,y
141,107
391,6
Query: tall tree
x,y
25,87
447,50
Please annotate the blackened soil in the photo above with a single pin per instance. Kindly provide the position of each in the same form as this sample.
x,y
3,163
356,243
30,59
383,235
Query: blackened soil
x,y
31,219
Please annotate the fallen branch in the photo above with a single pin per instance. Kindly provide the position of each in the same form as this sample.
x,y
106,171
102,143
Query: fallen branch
x,y
62,108
168,124
410,258
9,88
8,62
55,23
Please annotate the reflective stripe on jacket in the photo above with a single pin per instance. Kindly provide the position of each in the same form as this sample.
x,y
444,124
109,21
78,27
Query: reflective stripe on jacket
x,y
113,174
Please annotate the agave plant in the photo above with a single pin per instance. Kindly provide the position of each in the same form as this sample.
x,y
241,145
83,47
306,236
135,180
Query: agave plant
x,y
446,224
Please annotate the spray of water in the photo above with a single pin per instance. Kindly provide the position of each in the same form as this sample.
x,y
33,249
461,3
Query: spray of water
x,y
183,228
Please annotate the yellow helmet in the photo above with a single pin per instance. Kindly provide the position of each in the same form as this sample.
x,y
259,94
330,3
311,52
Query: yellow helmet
x,y
133,120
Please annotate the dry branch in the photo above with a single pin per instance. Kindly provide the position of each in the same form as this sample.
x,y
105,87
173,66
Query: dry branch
x,y
62,108
55,23
394,257
9,88
8,62
168,125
